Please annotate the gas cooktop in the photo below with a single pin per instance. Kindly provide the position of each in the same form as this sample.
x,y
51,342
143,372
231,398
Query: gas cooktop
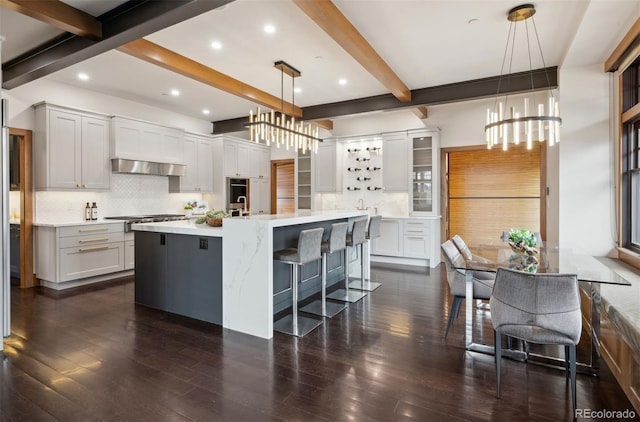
x,y
148,218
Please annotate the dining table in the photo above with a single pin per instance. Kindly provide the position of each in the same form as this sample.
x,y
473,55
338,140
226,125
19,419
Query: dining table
x,y
545,258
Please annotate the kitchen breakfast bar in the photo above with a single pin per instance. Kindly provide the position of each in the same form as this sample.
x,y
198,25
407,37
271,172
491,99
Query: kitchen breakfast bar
x,y
226,275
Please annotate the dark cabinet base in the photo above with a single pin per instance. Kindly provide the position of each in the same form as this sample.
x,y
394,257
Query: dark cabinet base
x,y
180,274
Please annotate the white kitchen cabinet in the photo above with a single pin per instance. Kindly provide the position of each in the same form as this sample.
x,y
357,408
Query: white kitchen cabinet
x,y
304,180
391,241
138,140
74,254
129,251
327,167
416,238
395,159
198,158
71,149
424,157
260,162
260,196
236,158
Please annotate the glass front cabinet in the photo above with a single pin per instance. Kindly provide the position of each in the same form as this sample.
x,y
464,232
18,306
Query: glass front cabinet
x,y
424,160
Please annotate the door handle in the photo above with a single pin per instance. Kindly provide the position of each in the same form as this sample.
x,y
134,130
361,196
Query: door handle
x,y
100,239
95,248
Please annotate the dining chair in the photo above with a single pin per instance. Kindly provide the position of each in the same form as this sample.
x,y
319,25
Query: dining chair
x,y
482,281
537,308
465,251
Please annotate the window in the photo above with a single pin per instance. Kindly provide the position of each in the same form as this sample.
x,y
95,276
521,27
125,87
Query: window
x,y
630,159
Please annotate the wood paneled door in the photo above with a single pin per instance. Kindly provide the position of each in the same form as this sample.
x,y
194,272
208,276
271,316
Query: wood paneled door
x,y
490,191
283,186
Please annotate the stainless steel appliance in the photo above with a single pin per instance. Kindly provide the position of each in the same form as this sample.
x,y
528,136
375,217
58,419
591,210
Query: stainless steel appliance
x,y
153,218
237,196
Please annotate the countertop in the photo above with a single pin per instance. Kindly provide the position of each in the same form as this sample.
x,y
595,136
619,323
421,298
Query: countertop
x,y
179,227
270,220
46,223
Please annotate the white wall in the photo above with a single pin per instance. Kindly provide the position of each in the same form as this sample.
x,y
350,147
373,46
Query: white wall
x,y
585,161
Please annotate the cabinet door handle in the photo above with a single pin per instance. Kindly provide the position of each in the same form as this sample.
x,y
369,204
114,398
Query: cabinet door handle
x,y
84,185
414,231
100,239
95,248
414,224
94,229
415,237
77,185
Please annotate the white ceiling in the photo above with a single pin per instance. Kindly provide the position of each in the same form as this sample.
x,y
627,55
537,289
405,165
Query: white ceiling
x,y
426,42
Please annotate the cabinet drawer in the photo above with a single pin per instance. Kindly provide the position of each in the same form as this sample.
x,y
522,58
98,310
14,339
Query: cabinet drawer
x,y
90,229
90,261
416,246
416,227
90,239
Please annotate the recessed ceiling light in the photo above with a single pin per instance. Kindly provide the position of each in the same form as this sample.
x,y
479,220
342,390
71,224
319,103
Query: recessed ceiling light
x,y
175,92
269,29
216,45
297,90
342,81
83,76
205,111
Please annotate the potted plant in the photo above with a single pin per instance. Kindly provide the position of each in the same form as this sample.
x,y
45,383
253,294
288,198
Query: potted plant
x,y
214,218
523,242
188,210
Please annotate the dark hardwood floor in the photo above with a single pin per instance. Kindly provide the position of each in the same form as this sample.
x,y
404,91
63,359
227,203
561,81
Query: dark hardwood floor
x,y
91,354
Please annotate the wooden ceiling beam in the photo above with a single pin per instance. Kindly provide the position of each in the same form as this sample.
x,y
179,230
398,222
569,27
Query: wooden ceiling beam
x,y
475,89
421,112
325,123
328,17
124,23
58,14
170,60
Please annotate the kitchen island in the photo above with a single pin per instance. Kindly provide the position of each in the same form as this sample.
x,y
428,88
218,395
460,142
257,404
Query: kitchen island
x,y
233,280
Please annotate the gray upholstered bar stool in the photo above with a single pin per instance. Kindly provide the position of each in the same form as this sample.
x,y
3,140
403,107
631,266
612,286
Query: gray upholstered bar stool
x,y
337,242
372,232
355,238
308,250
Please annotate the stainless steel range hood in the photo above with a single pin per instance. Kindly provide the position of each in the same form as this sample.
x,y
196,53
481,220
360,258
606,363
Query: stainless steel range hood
x,y
119,165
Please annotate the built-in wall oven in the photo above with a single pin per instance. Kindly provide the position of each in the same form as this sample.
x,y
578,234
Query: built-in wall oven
x,y
237,196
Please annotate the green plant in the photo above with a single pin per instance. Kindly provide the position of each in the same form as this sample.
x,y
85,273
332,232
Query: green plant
x,y
217,214
522,236
188,207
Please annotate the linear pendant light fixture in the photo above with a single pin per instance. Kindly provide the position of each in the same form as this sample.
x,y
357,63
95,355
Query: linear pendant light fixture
x,y
276,128
532,122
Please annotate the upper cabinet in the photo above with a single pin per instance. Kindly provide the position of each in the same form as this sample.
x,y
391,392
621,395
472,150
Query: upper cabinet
x,y
424,171
327,165
71,149
137,140
198,158
395,158
260,162
236,158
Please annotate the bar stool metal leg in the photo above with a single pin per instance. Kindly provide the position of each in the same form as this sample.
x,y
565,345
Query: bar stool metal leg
x,y
324,308
347,295
294,324
365,284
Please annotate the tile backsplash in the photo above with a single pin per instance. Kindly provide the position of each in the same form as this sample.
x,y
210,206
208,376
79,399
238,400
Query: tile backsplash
x,y
130,194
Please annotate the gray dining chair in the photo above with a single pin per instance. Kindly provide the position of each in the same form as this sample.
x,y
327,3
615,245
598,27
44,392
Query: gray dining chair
x,y
537,308
465,251
482,281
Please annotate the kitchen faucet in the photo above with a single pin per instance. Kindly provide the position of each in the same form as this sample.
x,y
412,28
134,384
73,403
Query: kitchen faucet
x,y
244,204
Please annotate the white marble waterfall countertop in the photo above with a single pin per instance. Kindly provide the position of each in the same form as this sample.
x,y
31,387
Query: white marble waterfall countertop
x,y
303,217
179,227
270,220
